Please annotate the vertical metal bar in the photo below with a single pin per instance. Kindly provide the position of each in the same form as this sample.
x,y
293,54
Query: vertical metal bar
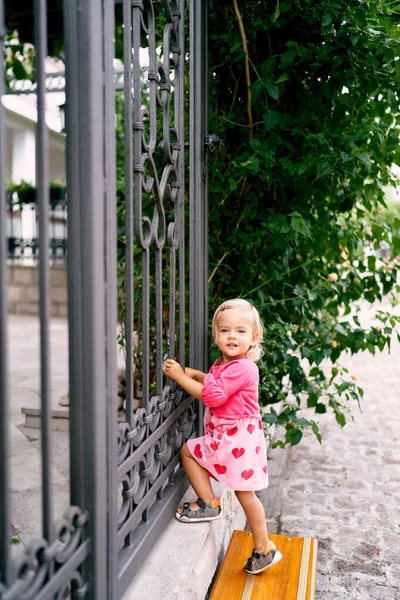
x,y
129,239
75,322
198,190
145,327
172,307
205,182
110,258
179,108
5,520
89,205
44,270
159,321
136,17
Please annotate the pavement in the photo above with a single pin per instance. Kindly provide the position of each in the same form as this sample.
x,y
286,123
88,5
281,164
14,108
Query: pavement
x,y
345,492
25,451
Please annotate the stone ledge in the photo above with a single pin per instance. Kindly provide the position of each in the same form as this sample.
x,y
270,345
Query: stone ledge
x,y
183,562
59,418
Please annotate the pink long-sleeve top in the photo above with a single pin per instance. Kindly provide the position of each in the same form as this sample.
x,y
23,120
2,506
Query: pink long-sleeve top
x,y
231,389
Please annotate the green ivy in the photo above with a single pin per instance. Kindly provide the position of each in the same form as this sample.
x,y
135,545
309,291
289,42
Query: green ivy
x,y
309,138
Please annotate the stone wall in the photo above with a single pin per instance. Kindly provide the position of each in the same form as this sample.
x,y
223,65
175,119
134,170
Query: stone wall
x,y
23,290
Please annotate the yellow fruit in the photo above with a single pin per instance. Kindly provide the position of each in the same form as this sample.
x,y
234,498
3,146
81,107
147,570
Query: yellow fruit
x,y
333,277
377,329
354,378
334,344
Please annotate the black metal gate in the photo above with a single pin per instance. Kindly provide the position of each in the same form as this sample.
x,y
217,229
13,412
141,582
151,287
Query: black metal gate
x,y
137,272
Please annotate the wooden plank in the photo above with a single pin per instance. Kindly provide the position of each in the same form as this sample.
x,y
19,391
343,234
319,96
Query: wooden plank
x,y
293,578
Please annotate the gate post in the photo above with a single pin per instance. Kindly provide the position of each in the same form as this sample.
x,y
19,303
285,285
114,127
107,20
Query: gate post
x,y
92,276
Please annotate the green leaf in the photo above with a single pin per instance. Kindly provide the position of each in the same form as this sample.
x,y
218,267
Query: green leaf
x,y
288,58
271,418
272,89
298,223
303,422
295,436
323,169
340,329
314,427
327,19
345,157
315,371
282,78
270,119
340,418
15,541
371,263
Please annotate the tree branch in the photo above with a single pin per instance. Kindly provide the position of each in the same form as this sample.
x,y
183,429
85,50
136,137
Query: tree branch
x,y
247,67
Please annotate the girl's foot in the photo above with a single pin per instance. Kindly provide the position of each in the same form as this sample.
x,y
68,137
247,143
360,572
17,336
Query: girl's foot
x,y
199,511
259,561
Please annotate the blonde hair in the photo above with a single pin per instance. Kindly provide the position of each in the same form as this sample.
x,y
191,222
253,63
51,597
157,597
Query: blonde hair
x,y
256,350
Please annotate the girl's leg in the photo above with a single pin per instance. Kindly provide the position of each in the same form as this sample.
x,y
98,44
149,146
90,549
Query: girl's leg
x,y
198,476
255,515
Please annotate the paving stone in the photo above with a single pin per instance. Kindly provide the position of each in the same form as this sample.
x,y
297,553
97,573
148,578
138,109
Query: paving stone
x,y
346,491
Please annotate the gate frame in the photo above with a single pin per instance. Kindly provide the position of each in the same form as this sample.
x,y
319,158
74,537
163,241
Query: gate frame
x,y
92,267
92,298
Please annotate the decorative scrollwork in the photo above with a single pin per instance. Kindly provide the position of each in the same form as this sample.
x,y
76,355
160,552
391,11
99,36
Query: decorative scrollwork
x,y
75,589
139,478
40,558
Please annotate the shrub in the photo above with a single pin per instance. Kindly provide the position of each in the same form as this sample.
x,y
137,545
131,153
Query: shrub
x,y
306,97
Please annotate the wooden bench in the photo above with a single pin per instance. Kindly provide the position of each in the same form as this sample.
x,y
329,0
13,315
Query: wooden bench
x,y
293,578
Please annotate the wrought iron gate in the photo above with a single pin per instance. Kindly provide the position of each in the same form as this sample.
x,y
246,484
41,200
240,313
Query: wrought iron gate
x,y
125,477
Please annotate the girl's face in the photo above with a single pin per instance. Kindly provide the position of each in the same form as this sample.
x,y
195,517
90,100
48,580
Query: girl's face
x,y
235,333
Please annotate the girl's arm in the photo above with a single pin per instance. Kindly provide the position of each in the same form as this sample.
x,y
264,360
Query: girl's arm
x,y
175,372
195,374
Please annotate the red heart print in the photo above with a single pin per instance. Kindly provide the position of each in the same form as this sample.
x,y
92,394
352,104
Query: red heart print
x,y
258,449
250,428
211,426
238,452
221,469
265,469
214,445
197,451
260,424
247,474
219,436
232,431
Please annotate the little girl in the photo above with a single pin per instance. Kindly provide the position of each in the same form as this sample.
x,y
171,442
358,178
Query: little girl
x,y
232,449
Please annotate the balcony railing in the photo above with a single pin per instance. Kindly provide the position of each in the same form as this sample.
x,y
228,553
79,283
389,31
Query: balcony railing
x,y
22,226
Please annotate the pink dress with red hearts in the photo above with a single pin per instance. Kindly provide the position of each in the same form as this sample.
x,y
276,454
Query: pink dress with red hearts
x,y
233,447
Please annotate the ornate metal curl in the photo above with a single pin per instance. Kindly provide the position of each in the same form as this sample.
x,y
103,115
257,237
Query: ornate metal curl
x,y
32,567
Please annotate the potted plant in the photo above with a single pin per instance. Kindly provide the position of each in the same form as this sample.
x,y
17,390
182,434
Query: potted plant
x,y
57,192
26,192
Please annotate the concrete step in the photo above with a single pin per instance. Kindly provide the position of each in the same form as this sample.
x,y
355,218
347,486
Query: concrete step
x,y
183,562
59,418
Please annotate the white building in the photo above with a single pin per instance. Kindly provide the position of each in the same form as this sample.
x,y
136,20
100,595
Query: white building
x,y
20,158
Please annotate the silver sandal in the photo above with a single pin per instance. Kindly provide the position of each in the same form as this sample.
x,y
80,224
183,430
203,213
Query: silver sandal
x,y
205,512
